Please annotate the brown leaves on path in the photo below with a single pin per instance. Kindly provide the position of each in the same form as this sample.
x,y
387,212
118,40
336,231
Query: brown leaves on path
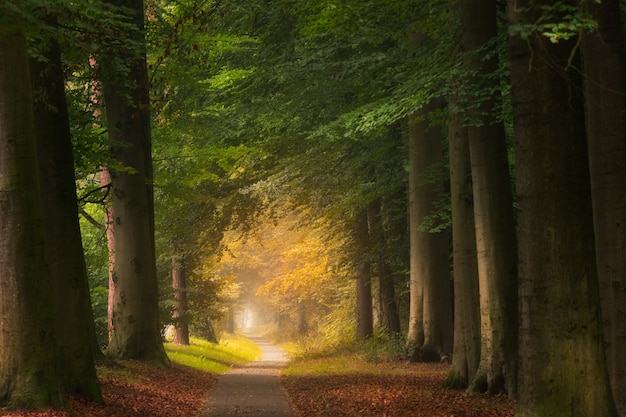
x,y
140,389
417,393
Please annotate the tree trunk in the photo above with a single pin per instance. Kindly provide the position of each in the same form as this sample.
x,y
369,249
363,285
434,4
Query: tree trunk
x,y
134,321
362,271
303,326
388,315
105,181
493,208
430,316
604,66
562,366
29,369
73,314
230,320
179,283
466,354
135,332
417,239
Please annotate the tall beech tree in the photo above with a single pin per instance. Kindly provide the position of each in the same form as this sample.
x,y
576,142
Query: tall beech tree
x,y
562,366
604,69
73,314
389,317
492,202
430,316
29,369
466,352
134,327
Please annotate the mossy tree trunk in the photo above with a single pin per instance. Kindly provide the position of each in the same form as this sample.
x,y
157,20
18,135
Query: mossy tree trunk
x,y
562,365
29,369
135,325
604,66
74,325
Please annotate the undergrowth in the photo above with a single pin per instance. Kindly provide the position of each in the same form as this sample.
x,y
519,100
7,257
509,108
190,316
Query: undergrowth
x,y
317,355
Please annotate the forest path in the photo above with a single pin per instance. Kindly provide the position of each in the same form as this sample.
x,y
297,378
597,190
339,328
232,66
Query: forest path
x,y
252,390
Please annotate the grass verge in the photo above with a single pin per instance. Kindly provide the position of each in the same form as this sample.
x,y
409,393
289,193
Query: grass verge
x,y
233,350
381,354
359,362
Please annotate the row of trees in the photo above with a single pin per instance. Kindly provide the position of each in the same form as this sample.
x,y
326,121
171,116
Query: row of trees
x,y
516,92
365,89
355,114
48,335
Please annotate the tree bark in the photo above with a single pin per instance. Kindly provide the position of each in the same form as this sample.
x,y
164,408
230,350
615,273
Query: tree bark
x,y
493,206
389,317
562,366
430,317
134,313
604,66
73,314
417,239
362,271
135,324
29,369
179,283
466,353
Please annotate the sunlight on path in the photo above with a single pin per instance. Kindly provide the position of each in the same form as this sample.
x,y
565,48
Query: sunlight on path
x,y
252,390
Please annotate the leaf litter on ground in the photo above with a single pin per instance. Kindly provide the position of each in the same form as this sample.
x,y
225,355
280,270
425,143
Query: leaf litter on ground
x,y
140,389
410,390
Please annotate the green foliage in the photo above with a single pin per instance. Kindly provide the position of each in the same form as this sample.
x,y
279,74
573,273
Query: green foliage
x,y
203,169
330,87
558,21
301,103
266,107
23,15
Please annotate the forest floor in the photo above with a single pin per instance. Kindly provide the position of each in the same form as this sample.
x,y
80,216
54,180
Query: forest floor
x,y
340,385
398,389
145,390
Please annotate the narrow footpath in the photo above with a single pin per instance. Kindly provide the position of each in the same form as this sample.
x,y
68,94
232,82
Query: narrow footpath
x,y
253,390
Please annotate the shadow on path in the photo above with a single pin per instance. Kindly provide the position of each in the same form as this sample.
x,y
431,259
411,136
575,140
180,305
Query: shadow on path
x,y
252,390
